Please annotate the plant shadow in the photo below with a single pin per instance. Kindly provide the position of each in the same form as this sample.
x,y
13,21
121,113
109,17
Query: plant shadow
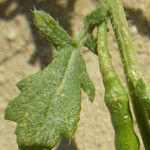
x,y
137,18
67,145
61,12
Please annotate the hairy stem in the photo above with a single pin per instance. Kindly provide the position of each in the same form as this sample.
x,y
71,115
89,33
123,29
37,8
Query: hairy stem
x,y
82,36
116,97
131,68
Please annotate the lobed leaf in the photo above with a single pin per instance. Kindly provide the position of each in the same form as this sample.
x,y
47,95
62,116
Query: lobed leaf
x,y
49,103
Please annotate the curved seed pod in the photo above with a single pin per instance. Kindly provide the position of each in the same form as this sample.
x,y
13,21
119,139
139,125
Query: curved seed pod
x,y
131,69
116,97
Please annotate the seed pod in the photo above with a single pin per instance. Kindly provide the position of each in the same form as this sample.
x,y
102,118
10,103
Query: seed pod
x,y
116,97
139,95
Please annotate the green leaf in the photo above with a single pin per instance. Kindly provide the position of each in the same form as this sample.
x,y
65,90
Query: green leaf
x,y
50,28
49,103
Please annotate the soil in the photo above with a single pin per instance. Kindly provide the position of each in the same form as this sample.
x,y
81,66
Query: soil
x,y
24,52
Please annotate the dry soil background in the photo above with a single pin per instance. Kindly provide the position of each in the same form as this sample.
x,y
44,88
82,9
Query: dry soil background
x,y
24,52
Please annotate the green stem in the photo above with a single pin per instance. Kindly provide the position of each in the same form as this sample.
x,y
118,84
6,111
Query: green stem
x,y
116,97
131,68
97,16
82,37
91,44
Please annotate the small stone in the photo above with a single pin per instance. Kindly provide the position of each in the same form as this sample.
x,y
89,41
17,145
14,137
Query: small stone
x,y
134,29
2,79
11,35
2,69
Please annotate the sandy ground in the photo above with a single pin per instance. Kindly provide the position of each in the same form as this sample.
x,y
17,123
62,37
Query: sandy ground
x,y
24,52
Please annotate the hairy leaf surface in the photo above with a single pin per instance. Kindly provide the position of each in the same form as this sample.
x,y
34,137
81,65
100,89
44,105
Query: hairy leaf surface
x,y
49,103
